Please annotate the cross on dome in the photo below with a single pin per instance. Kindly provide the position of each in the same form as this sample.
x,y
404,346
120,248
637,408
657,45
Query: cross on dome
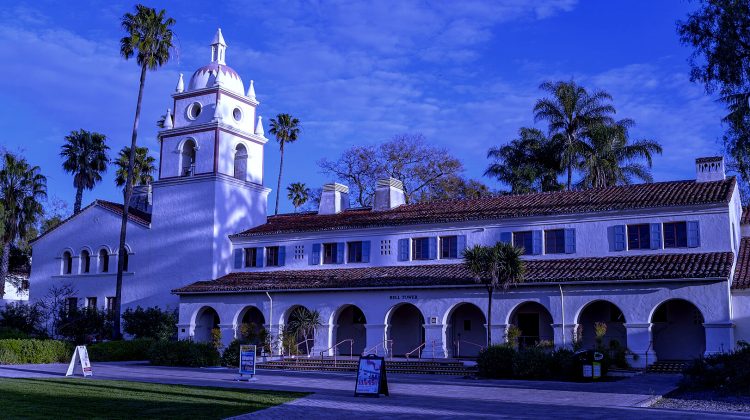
x,y
218,48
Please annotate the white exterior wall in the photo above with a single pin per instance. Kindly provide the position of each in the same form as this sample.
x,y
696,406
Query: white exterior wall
x,y
208,104
228,103
227,146
205,142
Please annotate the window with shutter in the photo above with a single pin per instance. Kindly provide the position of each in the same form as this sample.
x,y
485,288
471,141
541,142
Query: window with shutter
x,y
403,249
448,247
554,241
524,240
420,249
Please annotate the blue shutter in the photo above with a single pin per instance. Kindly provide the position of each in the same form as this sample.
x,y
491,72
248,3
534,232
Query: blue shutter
x,y
259,257
340,252
365,251
460,245
536,242
618,237
570,241
237,258
403,249
655,235
432,250
506,237
282,255
693,234
315,255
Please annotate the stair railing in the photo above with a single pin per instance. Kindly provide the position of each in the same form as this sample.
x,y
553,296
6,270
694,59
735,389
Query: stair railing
x,y
457,343
299,344
387,348
351,349
419,350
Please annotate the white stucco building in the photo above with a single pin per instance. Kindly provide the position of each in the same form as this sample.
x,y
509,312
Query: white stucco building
x,y
664,265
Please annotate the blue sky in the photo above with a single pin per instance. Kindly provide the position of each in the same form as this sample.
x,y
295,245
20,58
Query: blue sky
x,y
463,73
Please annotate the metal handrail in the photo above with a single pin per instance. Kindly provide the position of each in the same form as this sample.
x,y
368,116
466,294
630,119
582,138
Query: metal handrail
x,y
299,344
458,346
351,349
421,346
385,344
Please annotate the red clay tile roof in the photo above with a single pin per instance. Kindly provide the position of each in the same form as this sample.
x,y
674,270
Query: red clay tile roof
x,y
652,195
745,216
742,269
642,267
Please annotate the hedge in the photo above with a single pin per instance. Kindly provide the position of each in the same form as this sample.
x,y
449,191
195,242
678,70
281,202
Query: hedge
x,y
504,362
15,351
120,351
726,372
183,353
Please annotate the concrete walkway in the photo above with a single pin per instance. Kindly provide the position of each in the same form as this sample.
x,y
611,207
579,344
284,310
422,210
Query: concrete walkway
x,y
412,396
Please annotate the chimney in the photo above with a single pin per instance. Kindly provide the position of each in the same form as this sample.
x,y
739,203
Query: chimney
x,y
389,194
709,169
334,198
141,198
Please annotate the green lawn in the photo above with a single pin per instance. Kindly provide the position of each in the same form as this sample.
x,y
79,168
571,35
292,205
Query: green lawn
x,y
89,398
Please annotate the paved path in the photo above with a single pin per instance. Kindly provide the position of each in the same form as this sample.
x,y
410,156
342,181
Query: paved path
x,y
412,396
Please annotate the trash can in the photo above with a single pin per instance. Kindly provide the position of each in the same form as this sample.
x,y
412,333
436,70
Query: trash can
x,y
590,364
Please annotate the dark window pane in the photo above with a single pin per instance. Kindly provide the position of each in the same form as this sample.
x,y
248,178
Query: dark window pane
x,y
354,252
523,240
675,235
554,241
639,236
329,253
272,256
251,257
420,248
449,247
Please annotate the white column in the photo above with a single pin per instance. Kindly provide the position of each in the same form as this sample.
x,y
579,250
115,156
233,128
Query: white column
x,y
640,344
719,337
184,331
375,334
227,334
321,341
434,337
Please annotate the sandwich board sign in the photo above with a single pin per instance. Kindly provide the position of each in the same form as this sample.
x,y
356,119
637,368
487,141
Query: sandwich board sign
x,y
371,378
81,354
247,360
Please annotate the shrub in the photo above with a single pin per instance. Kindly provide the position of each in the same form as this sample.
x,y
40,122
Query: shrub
x,y
23,317
496,362
85,325
150,323
512,334
564,365
11,333
727,372
33,351
532,363
183,353
120,351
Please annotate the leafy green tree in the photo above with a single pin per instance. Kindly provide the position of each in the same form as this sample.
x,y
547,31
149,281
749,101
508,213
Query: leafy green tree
x,y
22,189
286,129
144,167
610,158
498,266
149,38
530,163
569,110
298,193
150,323
303,323
85,156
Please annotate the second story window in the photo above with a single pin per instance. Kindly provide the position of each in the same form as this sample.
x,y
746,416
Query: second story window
x,y
272,256
554,241
67,261
639,236
420,249
72,304
251,257
524,240
354,252
675,235
448,247
85,261
329,253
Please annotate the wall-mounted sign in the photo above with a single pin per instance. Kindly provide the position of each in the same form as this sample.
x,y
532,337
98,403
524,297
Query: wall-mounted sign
x,y
81,354
402,297
371,378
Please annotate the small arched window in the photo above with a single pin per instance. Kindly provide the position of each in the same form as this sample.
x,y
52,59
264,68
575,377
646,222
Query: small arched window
x,y
240,162
125,261
187,158
67,262
85,261
103,261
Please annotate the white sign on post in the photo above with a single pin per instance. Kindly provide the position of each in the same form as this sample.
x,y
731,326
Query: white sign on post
x,y
83,355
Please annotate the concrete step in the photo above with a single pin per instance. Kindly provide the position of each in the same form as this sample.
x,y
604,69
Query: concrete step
x,y
329,365
668,366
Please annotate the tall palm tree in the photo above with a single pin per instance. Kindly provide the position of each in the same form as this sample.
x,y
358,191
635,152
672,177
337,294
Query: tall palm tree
x,y
498,266
85,155
569,111
22,189
143,167
148,38
286,129
609,158
298,193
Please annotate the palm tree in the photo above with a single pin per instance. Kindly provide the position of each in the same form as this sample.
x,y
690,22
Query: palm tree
x,y
286,129
530,163
149,39
22,188
298,193
143,167
609,158
304,322
569,112
494,266
85,155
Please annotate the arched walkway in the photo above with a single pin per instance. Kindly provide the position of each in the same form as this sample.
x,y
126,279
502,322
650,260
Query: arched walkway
x,y
299,330
677,331
206,320
252,325
467,331
405,327
535,323
350,325
611,316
